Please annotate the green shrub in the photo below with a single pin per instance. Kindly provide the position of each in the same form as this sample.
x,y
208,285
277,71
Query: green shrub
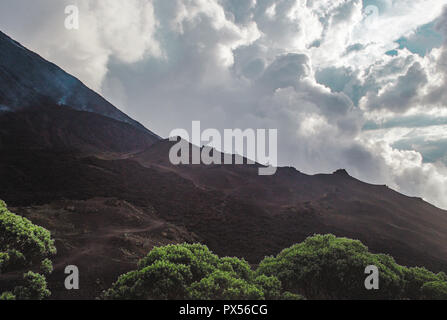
x,y
435,290
223,285
321,267
238,267
198,258
7,295
191,271
327,267
415,278
46,266
24,246
34,287
165,273
271,286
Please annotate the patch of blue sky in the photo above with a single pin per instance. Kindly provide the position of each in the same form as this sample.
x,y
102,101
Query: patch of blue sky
x,y
431,150
392,53
423,40
413,121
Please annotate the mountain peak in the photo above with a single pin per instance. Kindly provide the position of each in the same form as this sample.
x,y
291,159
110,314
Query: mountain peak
x,y
342,172
28,80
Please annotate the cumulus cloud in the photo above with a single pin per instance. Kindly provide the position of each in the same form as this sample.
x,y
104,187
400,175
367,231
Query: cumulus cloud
x,y
438,94
401,95
405,171
122,30
315,70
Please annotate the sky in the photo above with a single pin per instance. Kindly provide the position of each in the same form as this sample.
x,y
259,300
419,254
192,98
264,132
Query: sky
x,y
352,84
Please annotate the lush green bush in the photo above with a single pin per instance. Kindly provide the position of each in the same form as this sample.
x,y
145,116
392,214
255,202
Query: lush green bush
x,y
46,266
224,285
24,247
321,267
435,290
165,273
192,271
327,267
271,286
7,295
415,278
34,287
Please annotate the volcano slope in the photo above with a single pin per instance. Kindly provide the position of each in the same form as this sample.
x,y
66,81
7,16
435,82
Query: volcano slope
x,y
63,168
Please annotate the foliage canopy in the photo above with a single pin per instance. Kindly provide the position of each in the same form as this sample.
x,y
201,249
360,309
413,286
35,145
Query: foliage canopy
x,y
24,249
321,267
